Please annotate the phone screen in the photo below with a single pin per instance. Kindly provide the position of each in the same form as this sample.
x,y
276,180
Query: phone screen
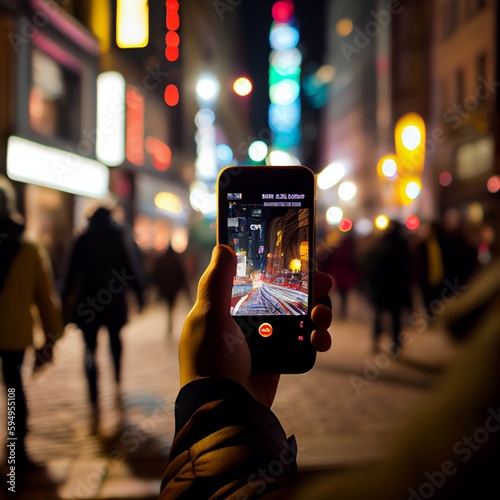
x,y
270,237
266,214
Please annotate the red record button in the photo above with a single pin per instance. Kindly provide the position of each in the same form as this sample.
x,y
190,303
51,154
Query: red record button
x,y
265,330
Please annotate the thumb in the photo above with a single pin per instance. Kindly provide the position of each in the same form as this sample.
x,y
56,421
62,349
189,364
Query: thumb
x,y
216,283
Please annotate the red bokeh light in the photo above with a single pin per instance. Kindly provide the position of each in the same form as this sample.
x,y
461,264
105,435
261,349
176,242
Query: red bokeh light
x,y
172,39
283,11
171,95
173,22
493,184
412,222
445,179
345,225
171,53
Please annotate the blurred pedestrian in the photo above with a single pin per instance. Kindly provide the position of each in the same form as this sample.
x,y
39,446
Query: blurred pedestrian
x,y
443,258
170,278
26,280
342,265
102,268
388,282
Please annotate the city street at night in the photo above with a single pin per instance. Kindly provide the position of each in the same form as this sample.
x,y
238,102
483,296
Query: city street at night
x,y
338,422
181,181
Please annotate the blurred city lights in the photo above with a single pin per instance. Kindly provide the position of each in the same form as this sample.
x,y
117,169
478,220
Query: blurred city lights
x,y
344,27
224,153
242,86
172,23
493,184
381,222
34,163
347,191
207,87
204,118
134,127
111,105
169,202
283,36
345,225
325,74
179,239
389,167
475,212
282,158
201,199
445,179
257,151
412,190
285,62
295,265
412,222
283,11
411,137
284,92
363,227
334,215
160,152
171,95
132,23
330,175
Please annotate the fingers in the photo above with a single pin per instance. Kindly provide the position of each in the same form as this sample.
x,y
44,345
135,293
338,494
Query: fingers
x,y
322,318
214,289
323,283
321,340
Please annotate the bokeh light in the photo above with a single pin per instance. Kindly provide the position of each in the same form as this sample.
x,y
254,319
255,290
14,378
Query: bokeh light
x,y
334,215
345,225
344,27
382,222
445,179
493,184
257,151
347,191
242,86
330,175
412,222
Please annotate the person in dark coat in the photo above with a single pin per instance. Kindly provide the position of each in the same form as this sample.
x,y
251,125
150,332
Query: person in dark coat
x,y
388,281
102,268
342,265
170,278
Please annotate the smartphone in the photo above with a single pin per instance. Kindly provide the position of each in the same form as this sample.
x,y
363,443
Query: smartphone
x,y
266,214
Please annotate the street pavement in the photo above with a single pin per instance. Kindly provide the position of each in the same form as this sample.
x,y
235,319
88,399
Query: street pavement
x,y
343,413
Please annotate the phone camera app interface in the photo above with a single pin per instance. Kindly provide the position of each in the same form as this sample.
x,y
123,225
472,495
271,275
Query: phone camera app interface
x,y
270,237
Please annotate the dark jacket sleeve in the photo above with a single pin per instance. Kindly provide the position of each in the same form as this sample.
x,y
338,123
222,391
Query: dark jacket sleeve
x,y
226,445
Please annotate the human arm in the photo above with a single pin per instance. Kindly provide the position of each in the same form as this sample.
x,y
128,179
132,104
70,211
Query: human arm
x,y
227,439
49,307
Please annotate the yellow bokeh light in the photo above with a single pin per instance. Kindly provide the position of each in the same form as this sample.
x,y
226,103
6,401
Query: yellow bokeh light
x,y
242,86
295,265
344,27
132,23
382,222
168,202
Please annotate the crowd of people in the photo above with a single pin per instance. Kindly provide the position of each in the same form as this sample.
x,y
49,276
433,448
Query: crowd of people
x,y
398,272
102,270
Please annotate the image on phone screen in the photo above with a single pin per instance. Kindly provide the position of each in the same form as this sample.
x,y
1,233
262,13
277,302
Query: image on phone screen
x,y
271,240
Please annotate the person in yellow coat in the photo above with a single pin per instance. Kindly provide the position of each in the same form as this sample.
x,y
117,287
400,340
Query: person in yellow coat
x,y
26,280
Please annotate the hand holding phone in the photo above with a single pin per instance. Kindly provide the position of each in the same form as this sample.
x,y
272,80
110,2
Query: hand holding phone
x,y
266,214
